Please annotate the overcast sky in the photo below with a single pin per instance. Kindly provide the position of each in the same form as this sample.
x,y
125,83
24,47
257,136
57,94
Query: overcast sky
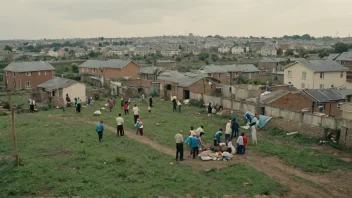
x,y
37,19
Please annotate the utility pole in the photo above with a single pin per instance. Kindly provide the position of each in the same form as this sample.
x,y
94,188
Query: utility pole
x,y
13,128
231,94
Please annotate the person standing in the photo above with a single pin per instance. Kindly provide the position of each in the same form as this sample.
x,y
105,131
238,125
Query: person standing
x,y
200,131
68,101
122,102
235,128
150,101
179,104
189,146
125,108
217,137
248,117
111,104
244,142
228,131
210,109
195,146
240,144
174,103
119,123
129,101
191,132
78,107
31,105
135,110
253,129
100,130
139,127
179,145
89,101
143,97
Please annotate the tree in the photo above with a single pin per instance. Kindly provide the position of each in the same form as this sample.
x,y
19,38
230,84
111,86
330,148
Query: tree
x,y
214,57
279,52
91,53
102,38
341,47
75,69
323,54
8,48
106,43
306,37
180,47
203,55
178,59
100,45
125,43
122,43
289,52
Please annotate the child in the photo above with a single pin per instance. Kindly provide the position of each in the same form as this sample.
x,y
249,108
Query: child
x,y
139,127
149,109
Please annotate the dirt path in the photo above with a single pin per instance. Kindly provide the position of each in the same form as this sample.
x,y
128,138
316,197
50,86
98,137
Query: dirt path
x,y
336,184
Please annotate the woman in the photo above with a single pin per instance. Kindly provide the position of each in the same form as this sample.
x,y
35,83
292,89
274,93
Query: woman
x,y
139,127
254,130
78,105
210,109
125,108
111,104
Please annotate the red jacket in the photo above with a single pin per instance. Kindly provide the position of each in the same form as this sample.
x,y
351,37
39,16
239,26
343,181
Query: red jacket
x,y
125,106
245,141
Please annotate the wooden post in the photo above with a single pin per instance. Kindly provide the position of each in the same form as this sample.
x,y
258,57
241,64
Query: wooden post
x,y
13,128
231,94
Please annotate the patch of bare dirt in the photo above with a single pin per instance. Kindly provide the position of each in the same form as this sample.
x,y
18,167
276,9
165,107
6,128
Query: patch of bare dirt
x,y
56,152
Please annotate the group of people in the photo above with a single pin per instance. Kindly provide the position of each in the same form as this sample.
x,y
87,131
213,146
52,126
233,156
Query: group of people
x,y
175,104
78,104
213,109
194,142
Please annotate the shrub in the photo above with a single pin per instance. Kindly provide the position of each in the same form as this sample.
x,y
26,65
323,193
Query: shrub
x,y
196,103
6,105
96,96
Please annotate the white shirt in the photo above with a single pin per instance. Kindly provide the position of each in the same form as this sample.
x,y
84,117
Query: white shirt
x,y
240,140
192,132
119,121
178,103
135,110
199,130
228,128
255,120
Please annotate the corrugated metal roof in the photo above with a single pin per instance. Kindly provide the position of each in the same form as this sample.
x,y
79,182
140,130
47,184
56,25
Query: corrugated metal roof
x,y
111,63
213,69
324,95
57,83
272,96
182,81
332,56
150,70
230,68
29,66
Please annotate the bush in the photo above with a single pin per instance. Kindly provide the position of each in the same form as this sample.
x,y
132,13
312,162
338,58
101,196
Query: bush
x,y
96,96
6,105
196,103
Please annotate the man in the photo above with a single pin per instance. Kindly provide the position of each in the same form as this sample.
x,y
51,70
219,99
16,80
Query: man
x,y
244,142
135,110
248,116
100,130
179,104
195,146
228,131
179,145
143,96
235,127
78,107
200,131
68,101
240,145
253,129
217,137
150,101
31,105
174,104
119,123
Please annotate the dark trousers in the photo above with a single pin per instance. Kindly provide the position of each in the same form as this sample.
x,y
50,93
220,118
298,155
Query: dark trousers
x,y
31,107
78,108
179,109
135,118
227,137
216,142
174,109
240,149
179,150
120,130
195,150
100,135
126,111
234,133
151,104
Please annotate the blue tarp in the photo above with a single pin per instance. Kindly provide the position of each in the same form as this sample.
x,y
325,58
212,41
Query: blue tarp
x,y
263,120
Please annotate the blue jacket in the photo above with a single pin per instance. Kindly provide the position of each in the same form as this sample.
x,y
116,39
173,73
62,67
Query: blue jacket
x,y
194,142
100,127
218,135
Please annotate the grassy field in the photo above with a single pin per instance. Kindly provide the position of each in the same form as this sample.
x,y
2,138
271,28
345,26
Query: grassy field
x,y
64,158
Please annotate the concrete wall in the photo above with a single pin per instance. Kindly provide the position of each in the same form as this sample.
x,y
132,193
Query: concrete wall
x,y
77,90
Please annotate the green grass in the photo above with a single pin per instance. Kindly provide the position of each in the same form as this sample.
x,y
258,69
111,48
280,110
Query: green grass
x,y
64,158
308,182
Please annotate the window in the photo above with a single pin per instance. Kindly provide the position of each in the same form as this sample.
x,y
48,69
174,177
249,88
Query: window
x,y
219,75
322,75
101,71
93,70
28,84
6,73
303,86
228,74
38,73
289,74
230,89
304,75
14,74
321,86
341,75
45,73
28,73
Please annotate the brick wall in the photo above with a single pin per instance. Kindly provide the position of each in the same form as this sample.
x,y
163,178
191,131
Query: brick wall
x,y
223,77
267,66
19,80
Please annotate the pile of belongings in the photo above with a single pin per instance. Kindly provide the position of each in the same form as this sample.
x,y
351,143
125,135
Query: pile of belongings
x,y
223,112
215,156
98,112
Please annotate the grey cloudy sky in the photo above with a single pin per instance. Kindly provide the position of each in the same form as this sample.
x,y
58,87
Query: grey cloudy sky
x,y
37,19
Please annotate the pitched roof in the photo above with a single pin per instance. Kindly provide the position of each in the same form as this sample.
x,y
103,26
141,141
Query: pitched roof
x,y
323,95
332,56
111,63
29,66
270,60
182,81
229,68
321,65
346,56
272,96
213,69
57,83
150,70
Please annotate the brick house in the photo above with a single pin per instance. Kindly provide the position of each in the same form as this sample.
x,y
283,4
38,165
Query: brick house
x,y
27,75
269,64
104,70
327,101
183,86
345,59
150,73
